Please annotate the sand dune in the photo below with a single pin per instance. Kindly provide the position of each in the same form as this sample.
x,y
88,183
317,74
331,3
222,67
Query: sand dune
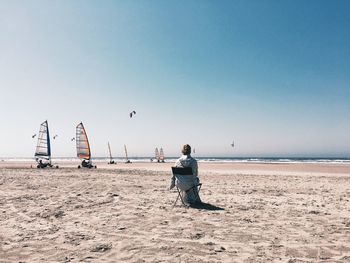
x,y
124,213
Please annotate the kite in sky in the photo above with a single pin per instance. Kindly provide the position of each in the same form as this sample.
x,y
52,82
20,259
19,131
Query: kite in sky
x,y
132,113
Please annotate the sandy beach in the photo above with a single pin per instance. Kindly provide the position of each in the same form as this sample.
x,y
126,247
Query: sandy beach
x,y
124,213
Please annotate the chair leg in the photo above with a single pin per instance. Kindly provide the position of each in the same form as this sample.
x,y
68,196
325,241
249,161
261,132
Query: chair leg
x,y
177,198
181,197
196,190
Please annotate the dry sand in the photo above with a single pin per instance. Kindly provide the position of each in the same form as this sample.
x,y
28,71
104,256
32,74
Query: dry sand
x,y
124,213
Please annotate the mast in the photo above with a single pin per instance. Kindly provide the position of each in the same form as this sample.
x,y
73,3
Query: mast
x,y
48,141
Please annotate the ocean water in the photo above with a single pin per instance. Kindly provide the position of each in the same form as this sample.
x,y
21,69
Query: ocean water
x,y
200,159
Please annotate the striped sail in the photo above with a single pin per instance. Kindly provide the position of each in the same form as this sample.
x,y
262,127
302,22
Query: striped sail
x,y
83,146
43,147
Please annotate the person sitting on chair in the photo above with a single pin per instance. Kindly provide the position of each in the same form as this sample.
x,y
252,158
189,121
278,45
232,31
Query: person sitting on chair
x,y
186,160
41,164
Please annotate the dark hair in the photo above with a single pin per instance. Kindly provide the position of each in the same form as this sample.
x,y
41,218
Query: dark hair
x,y
186,149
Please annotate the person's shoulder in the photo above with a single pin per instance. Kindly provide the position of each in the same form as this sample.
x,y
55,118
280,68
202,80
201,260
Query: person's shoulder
x,y
179,159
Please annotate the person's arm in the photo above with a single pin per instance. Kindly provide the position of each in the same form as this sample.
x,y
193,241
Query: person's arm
x,y
178,163
172,182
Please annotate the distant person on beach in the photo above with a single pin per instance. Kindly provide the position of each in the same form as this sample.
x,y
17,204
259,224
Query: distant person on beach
x,y
85,163
41,164
186,160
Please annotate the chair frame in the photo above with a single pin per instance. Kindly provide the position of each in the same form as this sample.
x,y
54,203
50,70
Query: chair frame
x,y
195,188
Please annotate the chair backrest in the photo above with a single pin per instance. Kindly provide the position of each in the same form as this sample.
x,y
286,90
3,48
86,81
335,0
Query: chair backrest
x,y
182,170
184,177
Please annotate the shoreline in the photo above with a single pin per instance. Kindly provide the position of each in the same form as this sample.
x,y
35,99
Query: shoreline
x,y
212,167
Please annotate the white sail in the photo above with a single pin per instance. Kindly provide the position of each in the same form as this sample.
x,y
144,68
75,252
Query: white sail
x,y
82,142
161,155
156,154
110,153
126,153
43,148
111,161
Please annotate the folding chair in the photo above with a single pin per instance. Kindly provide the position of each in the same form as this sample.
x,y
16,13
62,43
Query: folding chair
x,y
186,184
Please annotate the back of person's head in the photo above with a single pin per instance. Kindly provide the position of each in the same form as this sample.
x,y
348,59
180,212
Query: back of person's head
x,y
186,149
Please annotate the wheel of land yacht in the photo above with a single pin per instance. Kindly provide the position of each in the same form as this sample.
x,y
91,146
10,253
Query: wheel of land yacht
x,y
79,166
57,167
95,167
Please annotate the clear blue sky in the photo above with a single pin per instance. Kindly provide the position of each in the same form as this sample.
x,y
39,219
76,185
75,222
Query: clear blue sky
x,y
272,75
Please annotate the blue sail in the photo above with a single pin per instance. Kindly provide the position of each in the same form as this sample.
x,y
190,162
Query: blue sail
x,y
48,140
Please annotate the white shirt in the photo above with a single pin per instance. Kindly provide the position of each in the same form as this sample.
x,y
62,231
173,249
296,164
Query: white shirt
x,y
188,161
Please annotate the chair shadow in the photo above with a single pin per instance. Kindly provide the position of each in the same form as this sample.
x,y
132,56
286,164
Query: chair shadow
x,y
206,206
